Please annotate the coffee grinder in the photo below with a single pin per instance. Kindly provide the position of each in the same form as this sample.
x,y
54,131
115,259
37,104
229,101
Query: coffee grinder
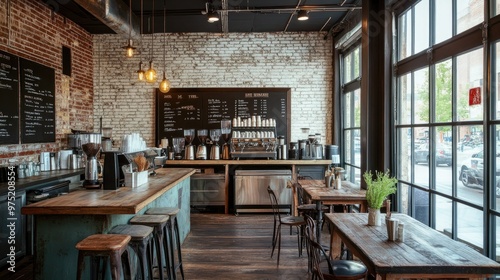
x,y
317,148
225,128
215,149
189,149
201,152
106,141
178,145
91,145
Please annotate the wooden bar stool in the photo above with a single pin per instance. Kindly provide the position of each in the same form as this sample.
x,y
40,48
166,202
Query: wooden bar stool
x,y
104,246
172,229
159,223
141,239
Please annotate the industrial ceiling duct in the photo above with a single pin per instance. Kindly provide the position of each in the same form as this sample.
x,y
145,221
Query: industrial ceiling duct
x,y
113,13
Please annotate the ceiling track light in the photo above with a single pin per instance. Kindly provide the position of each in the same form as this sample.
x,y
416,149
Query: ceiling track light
x,y
211,13
212,17
303,15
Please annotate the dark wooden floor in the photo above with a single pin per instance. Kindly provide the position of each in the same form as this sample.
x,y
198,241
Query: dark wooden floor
x,y
239,247
226,247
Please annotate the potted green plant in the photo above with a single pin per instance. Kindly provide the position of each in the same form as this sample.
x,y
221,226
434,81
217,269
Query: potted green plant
x,y
377,190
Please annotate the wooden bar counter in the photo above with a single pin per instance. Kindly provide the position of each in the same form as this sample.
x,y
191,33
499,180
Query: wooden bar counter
x,y
62,221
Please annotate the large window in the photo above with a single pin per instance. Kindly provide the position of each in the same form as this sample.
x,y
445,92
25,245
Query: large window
x,y
351,113
446,138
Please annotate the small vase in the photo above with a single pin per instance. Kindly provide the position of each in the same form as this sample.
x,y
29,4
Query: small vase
x,y
374,217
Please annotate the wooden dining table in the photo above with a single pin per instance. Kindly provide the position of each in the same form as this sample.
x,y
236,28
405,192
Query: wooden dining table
x,y
425,252
348,194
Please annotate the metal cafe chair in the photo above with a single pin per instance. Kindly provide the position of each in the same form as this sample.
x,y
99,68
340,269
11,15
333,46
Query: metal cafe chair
x,y
334,269
298,222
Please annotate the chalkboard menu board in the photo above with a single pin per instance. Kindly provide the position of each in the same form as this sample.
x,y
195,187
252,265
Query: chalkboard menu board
x,y
9,94
204,108
37,102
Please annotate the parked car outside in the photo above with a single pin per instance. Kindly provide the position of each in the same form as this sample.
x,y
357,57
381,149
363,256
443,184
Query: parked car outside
x,y
443,154
472,169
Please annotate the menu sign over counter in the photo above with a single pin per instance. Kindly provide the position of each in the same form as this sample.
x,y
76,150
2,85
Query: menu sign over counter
x,y
37,102
9,94
199,108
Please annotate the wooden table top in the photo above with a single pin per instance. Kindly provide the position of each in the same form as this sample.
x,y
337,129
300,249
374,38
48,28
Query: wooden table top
x,y
124,200
425,251
317,191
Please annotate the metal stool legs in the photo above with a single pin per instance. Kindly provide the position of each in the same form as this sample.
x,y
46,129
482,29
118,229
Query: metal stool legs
x,y
173,229
160,240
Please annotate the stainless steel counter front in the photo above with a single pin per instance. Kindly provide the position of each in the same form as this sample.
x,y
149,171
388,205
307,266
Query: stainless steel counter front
x,y
250,194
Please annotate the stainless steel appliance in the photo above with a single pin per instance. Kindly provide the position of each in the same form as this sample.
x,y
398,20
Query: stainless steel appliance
x,y
189,149
201,152
208,190
250,194
178,145
225,129
91,145
215,149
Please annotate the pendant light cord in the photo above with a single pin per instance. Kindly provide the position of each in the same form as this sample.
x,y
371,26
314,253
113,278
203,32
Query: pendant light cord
x,y
152,28
142,32
130,20
164,35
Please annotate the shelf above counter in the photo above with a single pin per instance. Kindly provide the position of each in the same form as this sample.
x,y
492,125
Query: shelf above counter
x,y
249,162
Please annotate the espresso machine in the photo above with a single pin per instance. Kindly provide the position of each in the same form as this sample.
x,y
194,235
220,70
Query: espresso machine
x,y
215,149
188,148
91,145
201,152
225,128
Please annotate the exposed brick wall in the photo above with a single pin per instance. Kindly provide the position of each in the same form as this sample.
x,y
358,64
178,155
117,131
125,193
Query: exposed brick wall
x,y
30,30
300,61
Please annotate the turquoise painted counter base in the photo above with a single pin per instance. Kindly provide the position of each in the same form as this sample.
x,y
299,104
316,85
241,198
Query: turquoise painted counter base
x,y
57,235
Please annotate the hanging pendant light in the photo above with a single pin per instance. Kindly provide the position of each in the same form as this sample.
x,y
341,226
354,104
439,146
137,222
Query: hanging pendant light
x,y
129,48
141,75
165,84
151,72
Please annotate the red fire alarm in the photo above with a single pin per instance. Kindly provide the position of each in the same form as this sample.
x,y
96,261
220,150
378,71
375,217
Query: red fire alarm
x,y
474,96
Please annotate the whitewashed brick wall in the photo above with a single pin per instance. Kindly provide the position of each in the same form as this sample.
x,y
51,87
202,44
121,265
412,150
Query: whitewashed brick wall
x,y
300,61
